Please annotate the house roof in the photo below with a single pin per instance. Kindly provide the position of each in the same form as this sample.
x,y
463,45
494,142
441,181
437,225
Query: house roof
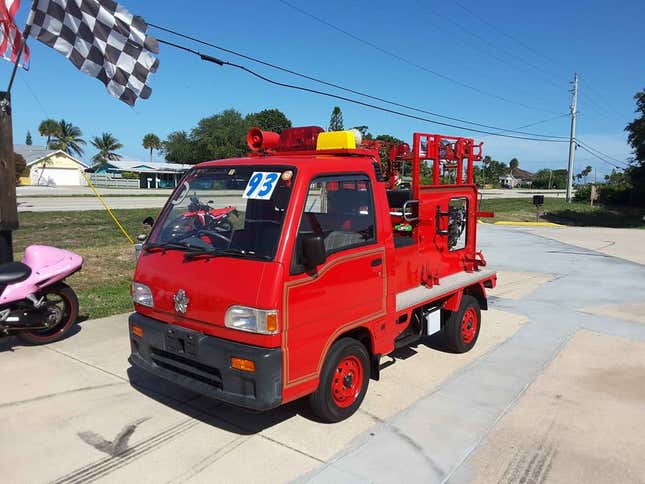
x,y
523,174
142,166
33,153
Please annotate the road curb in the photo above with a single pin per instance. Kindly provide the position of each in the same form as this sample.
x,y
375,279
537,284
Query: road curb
x,y
529,224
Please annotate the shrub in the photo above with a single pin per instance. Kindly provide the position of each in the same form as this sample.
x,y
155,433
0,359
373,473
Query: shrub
x,y
583,193
130,175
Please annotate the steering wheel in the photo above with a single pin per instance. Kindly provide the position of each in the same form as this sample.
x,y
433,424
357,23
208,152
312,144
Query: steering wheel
x,y
213,233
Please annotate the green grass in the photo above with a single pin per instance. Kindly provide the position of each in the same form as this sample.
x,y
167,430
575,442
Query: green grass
x,y
557,210
103,284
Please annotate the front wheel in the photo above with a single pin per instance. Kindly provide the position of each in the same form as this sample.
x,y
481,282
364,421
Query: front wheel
x,y
343,381
61,312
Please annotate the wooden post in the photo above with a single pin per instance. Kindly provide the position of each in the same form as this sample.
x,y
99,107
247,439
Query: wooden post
x,y
8,206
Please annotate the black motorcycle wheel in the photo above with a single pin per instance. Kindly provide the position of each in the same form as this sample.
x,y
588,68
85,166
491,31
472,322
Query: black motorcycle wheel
x,y
61,307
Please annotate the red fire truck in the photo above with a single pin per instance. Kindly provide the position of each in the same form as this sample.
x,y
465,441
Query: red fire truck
x,y
292,271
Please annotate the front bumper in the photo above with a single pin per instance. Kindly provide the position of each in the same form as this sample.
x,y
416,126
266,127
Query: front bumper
x,y
202,363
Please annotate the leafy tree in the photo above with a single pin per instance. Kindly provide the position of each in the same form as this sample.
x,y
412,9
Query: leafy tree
x,y
220,136
21,166
547,178
49,128
107,145
618,179
494,170
178,147
268,120
636,139
336,120
151,142
67,138
28,140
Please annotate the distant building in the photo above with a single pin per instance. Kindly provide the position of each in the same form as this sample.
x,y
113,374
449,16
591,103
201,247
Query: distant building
x,y
517,179
50,167
149,175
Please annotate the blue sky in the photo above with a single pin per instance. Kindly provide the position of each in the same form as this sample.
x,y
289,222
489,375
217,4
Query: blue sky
x,y
600,40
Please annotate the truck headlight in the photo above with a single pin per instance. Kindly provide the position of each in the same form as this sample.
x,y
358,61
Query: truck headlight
x,y
141,294
252,320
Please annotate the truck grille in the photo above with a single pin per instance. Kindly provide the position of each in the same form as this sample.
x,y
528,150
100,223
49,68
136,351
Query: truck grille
x,y
185,367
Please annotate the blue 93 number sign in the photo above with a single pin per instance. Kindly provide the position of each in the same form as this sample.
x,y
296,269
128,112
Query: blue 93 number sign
x,y
261,185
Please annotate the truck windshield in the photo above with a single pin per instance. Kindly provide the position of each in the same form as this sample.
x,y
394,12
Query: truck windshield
x,y
226,210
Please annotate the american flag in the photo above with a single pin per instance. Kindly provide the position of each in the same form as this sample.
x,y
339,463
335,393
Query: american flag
x,y
10,35
102,39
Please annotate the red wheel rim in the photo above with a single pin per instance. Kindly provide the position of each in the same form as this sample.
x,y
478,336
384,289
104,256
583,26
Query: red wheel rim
x,y
469,325
347,381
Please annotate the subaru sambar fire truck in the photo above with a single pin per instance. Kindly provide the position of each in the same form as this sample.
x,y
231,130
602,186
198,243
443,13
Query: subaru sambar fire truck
x,y
292,271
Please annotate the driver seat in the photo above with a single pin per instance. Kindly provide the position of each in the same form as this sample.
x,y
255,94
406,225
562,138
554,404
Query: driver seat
x,y
12,272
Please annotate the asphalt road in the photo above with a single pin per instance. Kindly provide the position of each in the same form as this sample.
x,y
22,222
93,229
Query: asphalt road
x,y
45,199
551,393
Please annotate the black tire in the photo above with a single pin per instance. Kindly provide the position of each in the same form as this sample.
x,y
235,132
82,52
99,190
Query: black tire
x,y
460,328
68,317
349,357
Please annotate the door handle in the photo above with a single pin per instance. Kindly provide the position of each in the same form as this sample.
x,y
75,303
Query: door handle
x,y
376,262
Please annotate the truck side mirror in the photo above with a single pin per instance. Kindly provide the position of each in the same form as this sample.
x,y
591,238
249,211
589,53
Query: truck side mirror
x,y
148,221
313,250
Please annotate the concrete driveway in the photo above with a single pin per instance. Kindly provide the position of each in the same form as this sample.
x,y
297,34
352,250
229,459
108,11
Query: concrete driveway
x,y
552,385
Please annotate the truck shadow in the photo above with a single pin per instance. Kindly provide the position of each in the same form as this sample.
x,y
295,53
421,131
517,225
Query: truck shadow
x,y
239,420
211,412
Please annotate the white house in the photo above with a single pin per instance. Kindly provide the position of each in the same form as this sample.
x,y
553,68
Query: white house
x,y
50,167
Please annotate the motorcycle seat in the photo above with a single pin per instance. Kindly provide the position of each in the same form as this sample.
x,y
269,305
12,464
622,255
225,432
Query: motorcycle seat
x,y
12,272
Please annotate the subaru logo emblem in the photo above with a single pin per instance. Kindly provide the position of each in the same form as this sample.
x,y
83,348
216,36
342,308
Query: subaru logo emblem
x,y
181,301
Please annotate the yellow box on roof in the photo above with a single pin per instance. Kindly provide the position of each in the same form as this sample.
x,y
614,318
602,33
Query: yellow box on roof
x,y
336,140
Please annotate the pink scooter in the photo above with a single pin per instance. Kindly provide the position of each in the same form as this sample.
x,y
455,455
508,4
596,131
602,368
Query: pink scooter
x,y
35,303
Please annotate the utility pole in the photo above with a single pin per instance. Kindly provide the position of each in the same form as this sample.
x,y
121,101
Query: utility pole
x,y
572,137
8,208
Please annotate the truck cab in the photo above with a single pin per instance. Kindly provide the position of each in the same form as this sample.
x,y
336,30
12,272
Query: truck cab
x,y
292,271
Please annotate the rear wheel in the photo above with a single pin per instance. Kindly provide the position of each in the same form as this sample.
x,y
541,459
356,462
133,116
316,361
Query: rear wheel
x,y
461,327
343,381
61,309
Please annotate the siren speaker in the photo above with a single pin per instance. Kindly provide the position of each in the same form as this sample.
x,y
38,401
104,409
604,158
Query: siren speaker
x,y
258,139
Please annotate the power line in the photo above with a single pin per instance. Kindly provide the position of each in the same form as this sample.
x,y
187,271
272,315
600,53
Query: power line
x,y
544,121
343,88
468,31
507,35
607,106
408,61
221,62
600,158
580,142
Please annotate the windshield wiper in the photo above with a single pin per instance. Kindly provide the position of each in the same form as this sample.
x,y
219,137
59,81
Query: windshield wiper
x,y
172,245
215,252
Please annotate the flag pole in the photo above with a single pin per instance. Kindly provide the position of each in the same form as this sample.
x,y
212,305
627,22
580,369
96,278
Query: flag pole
x,y
23,42
8,201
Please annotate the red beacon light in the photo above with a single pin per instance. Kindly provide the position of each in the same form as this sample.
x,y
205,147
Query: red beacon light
x,y
291,139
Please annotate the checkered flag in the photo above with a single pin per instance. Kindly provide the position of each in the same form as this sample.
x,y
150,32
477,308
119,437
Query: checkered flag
x,y
102,39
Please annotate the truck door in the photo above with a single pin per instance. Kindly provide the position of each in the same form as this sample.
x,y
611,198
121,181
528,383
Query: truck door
x,y
348,289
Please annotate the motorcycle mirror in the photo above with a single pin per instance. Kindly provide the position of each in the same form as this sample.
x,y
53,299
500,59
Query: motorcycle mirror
x,y
148,221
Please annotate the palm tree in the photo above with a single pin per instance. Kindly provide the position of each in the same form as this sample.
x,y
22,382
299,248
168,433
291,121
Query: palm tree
x,y
151,142
107,146
68,138
49,128
514,163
